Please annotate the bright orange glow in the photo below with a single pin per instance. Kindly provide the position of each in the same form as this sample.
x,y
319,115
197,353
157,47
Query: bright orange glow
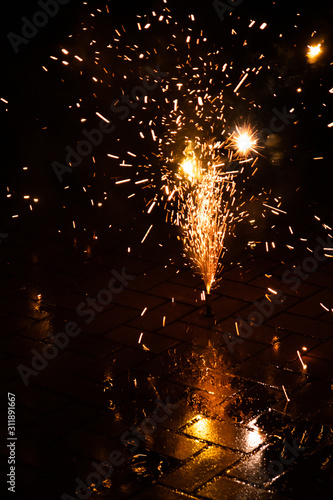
x,y
244,141
314,51
189,168
189,165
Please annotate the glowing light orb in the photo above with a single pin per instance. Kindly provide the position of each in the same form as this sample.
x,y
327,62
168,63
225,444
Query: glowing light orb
x,y
189,168
244,141
314,51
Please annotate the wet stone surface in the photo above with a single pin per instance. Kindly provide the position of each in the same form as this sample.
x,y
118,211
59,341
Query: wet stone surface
x,y
159,390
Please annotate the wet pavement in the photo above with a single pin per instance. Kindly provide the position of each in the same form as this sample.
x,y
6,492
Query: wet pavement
x,y
146,391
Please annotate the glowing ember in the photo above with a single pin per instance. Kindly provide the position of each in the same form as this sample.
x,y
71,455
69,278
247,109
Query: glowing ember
x,y
304,366
285,393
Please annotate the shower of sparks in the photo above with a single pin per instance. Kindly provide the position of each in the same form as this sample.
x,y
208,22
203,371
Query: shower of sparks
x,y
206,215
190,165
191,135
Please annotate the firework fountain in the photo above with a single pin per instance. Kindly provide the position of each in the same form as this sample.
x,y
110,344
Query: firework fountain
x,y
203,104
207,206
206,216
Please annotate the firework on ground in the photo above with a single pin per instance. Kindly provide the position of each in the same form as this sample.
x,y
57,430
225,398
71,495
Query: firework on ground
x,y
205,218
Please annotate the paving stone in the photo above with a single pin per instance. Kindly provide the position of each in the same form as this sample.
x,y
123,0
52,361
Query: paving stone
x,y
153,319
57,282
327,268
106,320
162,493
41,330
226,306
173,445
327,316
118,362
9,366
81,389
72,265
269,375
20,346
137,300
33,453
242,291
132,265
87,443
37,398
311,306
323,350
276,283
12,324
28,476
250,270
27,308
152,277
188,278
300,324
184,416
298,485
180,293
151,341
225,434
237,350
258,469
321,279
66,300
307,400
285,351
247,404
222,308
230,489
33,273
315,367
273,423
12,285
91,286
258,333
99,347
324,416
200,469
63,366
188,333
